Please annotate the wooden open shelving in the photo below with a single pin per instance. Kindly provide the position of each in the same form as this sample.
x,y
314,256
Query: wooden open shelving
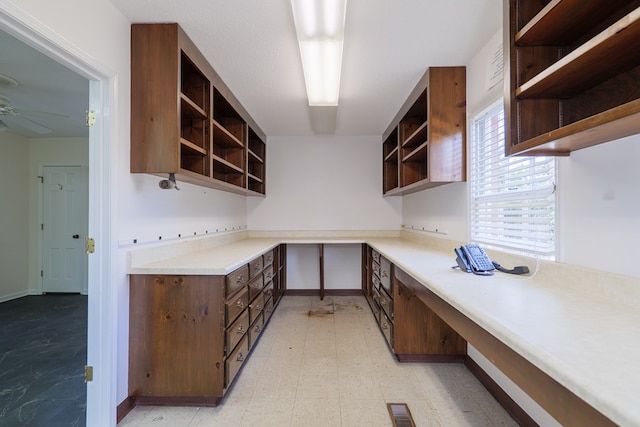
x,y
184,120
573,70
425,144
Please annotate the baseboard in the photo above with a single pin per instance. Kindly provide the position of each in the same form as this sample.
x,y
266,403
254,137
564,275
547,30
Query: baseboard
x,y
124,408
15,295
509,405
327,292
431,358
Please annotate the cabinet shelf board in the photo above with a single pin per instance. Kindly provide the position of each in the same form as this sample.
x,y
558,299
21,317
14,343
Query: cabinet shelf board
x,y
414,188
393,155
611,124
253,157
595,61
561,22
254,178
192,147
190,108
229,167
418,137
418,154
225,138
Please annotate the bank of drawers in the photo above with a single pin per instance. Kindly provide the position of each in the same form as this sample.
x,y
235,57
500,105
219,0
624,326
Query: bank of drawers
x,y
382,290
249,304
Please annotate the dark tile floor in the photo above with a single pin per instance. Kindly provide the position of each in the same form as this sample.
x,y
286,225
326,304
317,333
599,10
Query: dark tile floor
x,y
43,350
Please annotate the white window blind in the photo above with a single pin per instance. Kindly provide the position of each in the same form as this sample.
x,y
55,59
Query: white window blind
x,y
512,198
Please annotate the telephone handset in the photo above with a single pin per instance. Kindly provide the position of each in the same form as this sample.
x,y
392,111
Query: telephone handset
x,y
473,259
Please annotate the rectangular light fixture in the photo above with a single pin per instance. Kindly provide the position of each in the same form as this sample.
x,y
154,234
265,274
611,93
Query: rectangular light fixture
x,y
320,31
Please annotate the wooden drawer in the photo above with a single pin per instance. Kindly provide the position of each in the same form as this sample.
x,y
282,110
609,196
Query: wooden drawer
x,y
375,255
268,290
386,303
268,308
236,280
386,326
375,281
385,275
268,258
268,274
375,267
237,330
236,304
256,330
255,287
255,267
256,307
234,362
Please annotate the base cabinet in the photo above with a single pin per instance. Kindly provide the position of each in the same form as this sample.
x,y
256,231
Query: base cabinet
x,y
190,335
412,330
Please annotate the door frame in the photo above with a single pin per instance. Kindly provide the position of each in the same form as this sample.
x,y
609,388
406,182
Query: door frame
x,y
85,177
102,298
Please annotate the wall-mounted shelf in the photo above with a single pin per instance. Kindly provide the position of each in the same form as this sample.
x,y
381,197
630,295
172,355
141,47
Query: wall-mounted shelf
x,y
572,73
184,120
424,146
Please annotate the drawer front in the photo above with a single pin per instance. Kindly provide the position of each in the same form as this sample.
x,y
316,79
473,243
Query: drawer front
x,y
255,287
268,308
256,307
376,269
236,304
255,267
235,360
268,274
256,330
375,255
268,290
237,330
375,281
386,303
375,308
236,280
386,326
385,275
268,258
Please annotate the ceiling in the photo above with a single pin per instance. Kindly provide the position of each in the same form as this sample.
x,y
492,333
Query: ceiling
x,y
252,46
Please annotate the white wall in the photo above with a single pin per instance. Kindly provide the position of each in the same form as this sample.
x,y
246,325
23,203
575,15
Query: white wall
x,y
324,183
14,226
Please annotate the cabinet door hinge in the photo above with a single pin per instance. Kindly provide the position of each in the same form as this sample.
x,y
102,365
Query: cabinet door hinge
x,y
88,373
91,118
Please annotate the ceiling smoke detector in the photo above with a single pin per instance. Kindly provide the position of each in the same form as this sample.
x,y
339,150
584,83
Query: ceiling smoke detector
x,y
7,82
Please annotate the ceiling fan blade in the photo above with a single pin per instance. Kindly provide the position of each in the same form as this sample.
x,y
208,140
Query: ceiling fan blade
x,y
43,114
24,122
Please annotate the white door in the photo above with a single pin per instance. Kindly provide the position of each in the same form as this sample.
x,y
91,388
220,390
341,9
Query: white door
x,y
64,219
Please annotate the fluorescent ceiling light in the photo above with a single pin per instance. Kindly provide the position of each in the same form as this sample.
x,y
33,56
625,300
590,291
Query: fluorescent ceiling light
x,y
320,31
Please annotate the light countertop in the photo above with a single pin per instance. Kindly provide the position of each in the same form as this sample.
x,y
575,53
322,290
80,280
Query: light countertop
x,y
589,343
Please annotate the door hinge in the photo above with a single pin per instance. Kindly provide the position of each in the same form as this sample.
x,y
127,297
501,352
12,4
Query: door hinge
x,y
88,373
91,118
41,273
90,245
41,226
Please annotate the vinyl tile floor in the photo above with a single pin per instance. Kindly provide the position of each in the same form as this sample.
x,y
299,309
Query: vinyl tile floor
x,y
326,363
43,350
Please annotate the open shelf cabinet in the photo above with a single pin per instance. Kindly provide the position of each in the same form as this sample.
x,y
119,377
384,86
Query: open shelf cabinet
x,y
572,74
184,120
425,144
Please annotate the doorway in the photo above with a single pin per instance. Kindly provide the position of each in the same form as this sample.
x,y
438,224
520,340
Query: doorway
x,y
101,300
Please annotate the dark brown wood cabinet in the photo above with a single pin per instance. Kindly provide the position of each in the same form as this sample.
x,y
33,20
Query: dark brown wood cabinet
x,y
572,74
190,335
424,146
185,121
412,330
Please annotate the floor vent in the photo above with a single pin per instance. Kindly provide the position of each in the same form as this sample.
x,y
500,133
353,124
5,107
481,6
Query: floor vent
x,y
400,415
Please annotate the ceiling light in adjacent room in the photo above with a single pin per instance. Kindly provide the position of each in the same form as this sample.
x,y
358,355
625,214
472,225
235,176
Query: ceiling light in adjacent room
x,y
320,31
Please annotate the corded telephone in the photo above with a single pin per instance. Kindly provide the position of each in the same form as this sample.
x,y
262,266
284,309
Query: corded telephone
x,y
473,259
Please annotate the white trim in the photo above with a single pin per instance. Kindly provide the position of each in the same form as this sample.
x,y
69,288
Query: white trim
x,y
101,346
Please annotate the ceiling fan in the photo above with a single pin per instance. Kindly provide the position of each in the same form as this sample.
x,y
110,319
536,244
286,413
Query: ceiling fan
x,y
17,117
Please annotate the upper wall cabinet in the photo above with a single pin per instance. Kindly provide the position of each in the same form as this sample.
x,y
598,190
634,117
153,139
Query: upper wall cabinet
x,y
185,121
424,146
572,74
